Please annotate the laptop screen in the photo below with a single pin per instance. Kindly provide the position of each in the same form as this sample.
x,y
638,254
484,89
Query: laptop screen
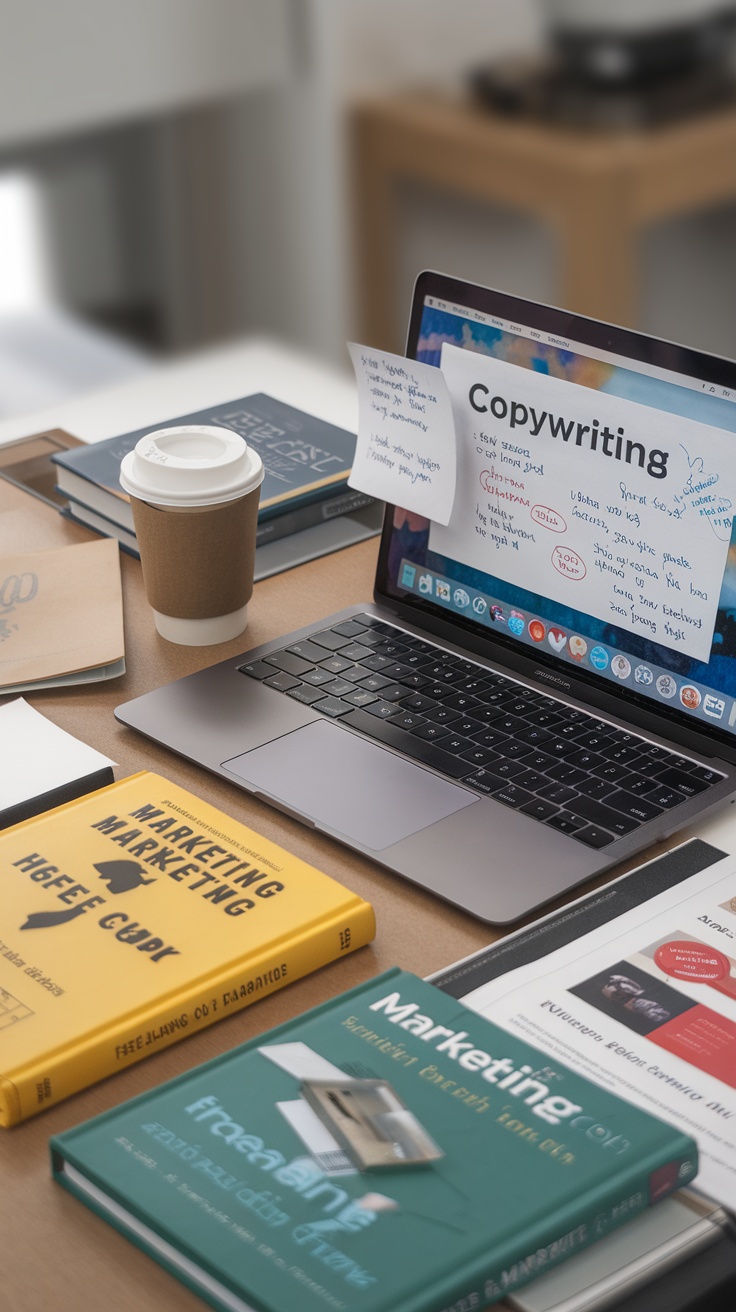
x,y
649,644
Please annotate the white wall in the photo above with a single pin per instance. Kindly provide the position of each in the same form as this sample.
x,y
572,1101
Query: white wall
x,y
103,72
285,212
290,191
389,43
82,64
287,193
88,89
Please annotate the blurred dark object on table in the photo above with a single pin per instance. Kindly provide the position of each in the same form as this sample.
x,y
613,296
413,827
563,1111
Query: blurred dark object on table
x,y
617,42
635,63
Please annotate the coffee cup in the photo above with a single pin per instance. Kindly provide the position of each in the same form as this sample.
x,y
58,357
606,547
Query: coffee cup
x,y
194,492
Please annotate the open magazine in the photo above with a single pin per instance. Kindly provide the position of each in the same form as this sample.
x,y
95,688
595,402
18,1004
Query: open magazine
x,y
634,986
646,1006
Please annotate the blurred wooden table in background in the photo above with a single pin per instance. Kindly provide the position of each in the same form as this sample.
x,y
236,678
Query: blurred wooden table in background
x,y
598,191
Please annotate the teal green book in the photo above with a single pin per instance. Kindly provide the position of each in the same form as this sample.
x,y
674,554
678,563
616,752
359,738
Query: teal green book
x,y
390,1151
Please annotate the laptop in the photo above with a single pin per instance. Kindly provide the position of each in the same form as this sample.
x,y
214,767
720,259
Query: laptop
x,y
474,729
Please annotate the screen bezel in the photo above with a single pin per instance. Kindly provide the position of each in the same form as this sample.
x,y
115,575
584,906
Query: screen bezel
x,y
548,668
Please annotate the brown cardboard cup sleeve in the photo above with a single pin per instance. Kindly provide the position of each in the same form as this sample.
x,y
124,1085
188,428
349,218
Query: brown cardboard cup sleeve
x,y
198,562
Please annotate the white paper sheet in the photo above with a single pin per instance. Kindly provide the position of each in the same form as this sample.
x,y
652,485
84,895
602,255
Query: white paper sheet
x,y
37,755
405,452
645,1005
301,1061
608,506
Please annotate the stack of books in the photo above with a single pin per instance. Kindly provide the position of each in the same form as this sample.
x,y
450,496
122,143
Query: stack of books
x,y
307,463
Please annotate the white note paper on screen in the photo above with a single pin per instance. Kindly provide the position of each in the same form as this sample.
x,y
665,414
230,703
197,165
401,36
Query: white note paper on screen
x,y
405,452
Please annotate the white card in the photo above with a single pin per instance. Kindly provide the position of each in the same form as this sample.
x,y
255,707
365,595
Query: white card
x,y
301,1061
38,755
405,452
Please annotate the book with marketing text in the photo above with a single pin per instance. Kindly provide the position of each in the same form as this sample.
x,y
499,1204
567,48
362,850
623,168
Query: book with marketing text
x,y
137,915
388,1150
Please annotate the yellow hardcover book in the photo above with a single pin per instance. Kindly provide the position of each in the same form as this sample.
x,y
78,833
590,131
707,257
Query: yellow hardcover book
x,y
137,915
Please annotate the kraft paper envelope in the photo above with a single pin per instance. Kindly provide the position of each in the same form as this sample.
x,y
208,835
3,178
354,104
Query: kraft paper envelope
x,y
61,616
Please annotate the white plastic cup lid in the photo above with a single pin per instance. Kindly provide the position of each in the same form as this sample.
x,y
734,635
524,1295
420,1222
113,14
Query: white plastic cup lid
x,y
192,465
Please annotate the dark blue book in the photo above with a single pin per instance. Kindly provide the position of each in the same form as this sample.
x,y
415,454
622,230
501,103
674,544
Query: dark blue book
x,y
306,459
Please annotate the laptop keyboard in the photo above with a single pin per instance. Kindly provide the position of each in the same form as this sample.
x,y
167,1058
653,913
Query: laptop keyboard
x,y
561,766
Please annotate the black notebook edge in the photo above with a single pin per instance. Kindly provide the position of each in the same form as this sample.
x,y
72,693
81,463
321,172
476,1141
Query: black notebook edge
x,y
57,796
586,913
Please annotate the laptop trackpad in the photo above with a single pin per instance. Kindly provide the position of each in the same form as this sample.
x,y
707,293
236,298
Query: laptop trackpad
x,y
349,785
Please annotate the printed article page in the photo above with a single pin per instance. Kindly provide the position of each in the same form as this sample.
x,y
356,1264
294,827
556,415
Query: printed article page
x,y
646,1006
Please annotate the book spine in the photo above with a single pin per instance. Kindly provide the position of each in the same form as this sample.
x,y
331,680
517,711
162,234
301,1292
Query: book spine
x,y
38,1086
10,1112
575,1227
296,497
108,514
89,519
86,488
103,506
316,512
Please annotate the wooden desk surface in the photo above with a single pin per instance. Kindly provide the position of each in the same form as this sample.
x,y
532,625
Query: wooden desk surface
x,y
54,1253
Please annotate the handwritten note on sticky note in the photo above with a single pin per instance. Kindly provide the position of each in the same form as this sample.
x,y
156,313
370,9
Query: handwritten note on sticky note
x,y
405,451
